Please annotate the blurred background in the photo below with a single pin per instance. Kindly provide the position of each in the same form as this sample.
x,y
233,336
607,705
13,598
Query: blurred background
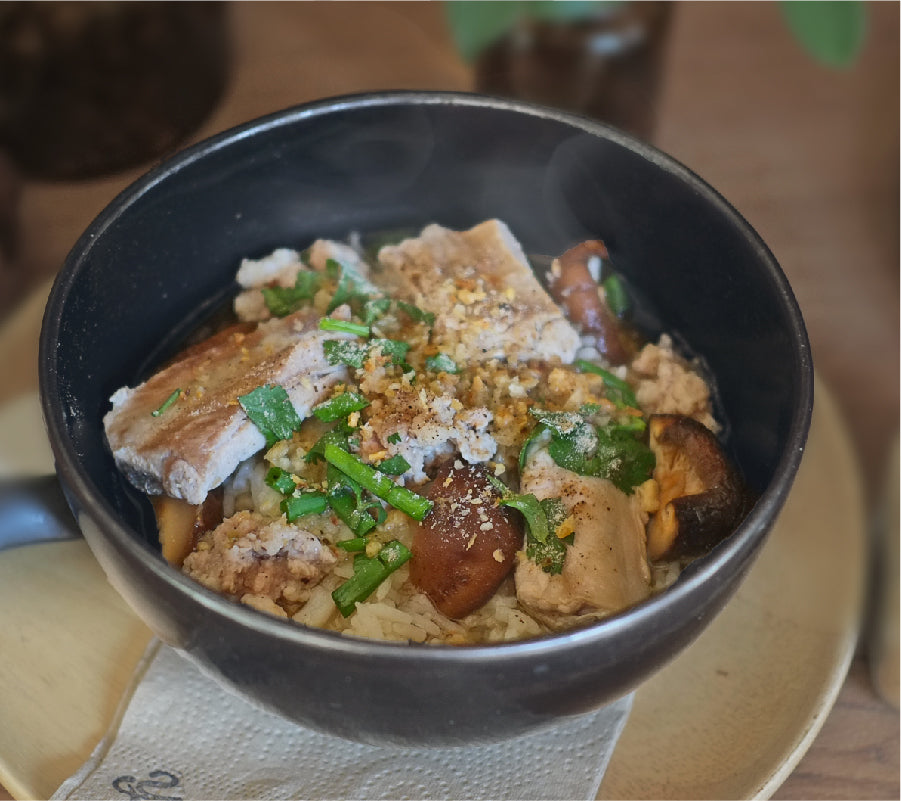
x,y
804,143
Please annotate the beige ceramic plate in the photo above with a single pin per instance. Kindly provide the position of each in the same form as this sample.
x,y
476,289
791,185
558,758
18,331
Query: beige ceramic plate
x,y
729,718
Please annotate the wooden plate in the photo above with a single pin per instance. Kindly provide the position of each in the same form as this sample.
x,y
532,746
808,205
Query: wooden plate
x,y
729,718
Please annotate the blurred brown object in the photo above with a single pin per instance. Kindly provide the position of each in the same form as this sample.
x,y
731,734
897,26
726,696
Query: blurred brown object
x,y
89,88
608,66
10,193
884,620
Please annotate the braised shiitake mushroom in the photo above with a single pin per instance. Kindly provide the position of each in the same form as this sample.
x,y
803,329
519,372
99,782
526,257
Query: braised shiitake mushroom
x,y
702,498
180,523
467,545
576,290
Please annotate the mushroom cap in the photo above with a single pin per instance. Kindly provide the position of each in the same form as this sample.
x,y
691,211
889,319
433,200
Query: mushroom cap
x,y
702,497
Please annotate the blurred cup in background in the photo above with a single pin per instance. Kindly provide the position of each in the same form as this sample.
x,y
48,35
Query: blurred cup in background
x,y
606,64
91,88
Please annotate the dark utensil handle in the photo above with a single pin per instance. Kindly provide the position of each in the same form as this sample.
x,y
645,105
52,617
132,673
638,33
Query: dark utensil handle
x,y
34,510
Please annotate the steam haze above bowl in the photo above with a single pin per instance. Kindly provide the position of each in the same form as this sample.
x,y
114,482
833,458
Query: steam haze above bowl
x,y
164,253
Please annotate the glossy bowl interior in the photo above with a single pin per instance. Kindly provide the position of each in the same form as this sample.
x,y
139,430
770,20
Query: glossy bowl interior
x,y
163,254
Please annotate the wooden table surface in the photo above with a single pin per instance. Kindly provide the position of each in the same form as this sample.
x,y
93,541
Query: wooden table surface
x,y
808,155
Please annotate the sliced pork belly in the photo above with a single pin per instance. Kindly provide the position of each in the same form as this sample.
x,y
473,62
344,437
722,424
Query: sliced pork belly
x,y
193,445
485,297
606,567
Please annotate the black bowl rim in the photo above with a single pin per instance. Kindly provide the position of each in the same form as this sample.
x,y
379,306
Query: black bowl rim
x,y
739,549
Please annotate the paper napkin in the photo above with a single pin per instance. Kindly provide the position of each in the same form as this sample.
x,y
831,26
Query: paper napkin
x,y
180,735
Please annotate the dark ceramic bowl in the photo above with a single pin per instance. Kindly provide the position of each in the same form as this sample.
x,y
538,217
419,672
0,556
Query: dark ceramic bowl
x,y
164,253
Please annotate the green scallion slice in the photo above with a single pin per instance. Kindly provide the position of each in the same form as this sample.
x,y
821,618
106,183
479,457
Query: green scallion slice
x,y
380,485
354,545
350,507
270,410
280,480
441,363
374,309
335,436
618,390
395,466
282,301
167,403
369,572
616,294
526,446
394,349
340,406
416,314
307,503
344,327
532,511
344,351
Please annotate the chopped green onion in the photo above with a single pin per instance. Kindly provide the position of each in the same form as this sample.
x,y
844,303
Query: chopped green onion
x,y
527,445
270,410
346,289
345,293
394,349
630,423
342,351
348,509
531,510
369,572
619,456
374,309
345,496
378,483
282,301
167,403
618,390
549,555
395,466
333,269
416,314
543,519
502,489
394,554
339,351
352,288
307,503
441,363
280,480
573,428
616,294
343,326
334,436
340,406
353,545
555,512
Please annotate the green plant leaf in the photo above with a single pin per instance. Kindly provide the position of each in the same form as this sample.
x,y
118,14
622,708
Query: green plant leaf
x,y
476,24
832,31
271,411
